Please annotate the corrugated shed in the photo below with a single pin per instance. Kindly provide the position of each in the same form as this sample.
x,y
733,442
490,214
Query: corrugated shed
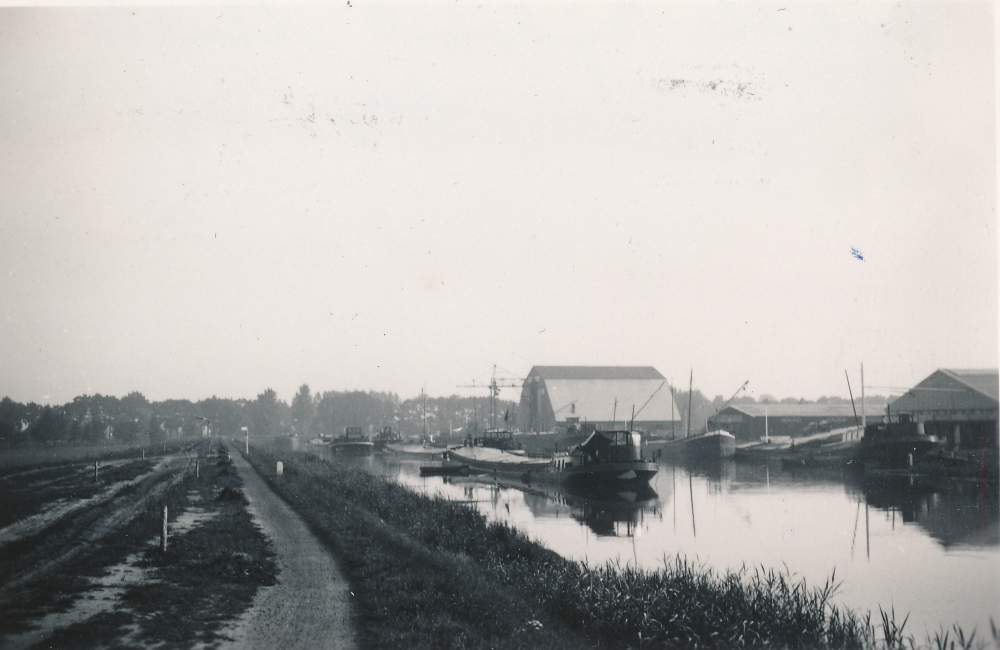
x,y
593,400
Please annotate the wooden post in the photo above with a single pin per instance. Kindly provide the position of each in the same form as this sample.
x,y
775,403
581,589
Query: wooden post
x,y
163,531
95,471
144,454
197,469
281,468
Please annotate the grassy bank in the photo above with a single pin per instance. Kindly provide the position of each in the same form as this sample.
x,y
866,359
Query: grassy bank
x,y
431,573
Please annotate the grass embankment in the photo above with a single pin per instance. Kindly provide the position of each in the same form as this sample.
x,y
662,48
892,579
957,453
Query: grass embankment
x,y
427,572
207,576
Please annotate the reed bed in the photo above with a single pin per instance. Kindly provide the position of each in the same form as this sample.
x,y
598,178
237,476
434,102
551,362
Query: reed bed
x,y
401,550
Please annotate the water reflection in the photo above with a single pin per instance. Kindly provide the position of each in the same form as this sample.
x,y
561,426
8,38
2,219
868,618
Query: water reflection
x,y
956,513
607,515
927,547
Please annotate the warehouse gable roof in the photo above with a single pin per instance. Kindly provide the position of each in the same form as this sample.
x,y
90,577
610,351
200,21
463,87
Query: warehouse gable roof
x,y
595,372
986,382
951,390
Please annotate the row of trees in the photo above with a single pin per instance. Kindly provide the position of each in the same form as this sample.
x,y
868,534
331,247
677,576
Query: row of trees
x,y
101,419
95,419
330,412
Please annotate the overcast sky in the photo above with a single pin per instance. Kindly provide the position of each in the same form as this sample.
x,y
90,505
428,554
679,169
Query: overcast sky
x,y
199,201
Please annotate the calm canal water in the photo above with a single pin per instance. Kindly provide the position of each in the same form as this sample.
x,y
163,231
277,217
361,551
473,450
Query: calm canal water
x,y
928,548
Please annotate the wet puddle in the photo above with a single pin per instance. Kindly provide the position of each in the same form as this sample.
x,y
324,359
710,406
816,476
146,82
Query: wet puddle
x,y
108,589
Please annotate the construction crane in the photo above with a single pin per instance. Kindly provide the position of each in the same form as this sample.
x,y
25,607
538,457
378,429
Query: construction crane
x,y
495,385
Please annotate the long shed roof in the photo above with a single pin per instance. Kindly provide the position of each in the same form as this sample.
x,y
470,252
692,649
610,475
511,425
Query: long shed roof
x,y
810,410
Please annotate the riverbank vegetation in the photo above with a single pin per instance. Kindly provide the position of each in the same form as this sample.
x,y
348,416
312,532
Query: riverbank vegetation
x,y
427,572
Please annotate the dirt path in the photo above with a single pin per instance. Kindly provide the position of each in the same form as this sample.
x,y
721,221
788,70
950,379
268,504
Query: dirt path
x,y
310,606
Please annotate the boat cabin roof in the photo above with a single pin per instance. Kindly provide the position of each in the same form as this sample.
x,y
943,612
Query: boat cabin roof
x,y
498,434
602,439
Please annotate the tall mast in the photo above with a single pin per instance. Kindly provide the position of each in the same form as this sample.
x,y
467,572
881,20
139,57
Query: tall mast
x,y
851,393
493,393
673,408
690,393
864,422
423,415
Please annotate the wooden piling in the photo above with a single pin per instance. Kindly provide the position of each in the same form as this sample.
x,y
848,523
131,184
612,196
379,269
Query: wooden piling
x,y
163,531
197,469
95,472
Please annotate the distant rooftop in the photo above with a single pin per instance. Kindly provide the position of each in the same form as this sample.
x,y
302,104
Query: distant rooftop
x,y
595,372
810,410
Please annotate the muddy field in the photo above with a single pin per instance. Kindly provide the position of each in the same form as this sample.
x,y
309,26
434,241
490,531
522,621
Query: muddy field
x,y
80,558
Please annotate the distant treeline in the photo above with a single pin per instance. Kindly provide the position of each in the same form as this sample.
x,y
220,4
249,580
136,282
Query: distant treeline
x,y
97,419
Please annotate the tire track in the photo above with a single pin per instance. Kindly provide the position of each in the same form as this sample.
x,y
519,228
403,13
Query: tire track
x,y
38,523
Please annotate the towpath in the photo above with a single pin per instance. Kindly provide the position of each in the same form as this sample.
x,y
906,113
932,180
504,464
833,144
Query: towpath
x,y
310,606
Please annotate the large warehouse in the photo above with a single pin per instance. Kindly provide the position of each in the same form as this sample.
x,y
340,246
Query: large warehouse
x,y
557,397
959,406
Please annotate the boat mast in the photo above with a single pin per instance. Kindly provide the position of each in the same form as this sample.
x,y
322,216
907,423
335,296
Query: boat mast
x,y
673,408
864,423
493,393
423,413
851,393
690,391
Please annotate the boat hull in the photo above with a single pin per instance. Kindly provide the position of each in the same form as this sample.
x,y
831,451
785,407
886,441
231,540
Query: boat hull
x,y
895,451
445,468
611,475
354,448
415,451
487,459
710,446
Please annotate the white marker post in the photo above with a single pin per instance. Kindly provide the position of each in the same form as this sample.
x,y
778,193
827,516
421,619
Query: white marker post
x,y
163,531
247,432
